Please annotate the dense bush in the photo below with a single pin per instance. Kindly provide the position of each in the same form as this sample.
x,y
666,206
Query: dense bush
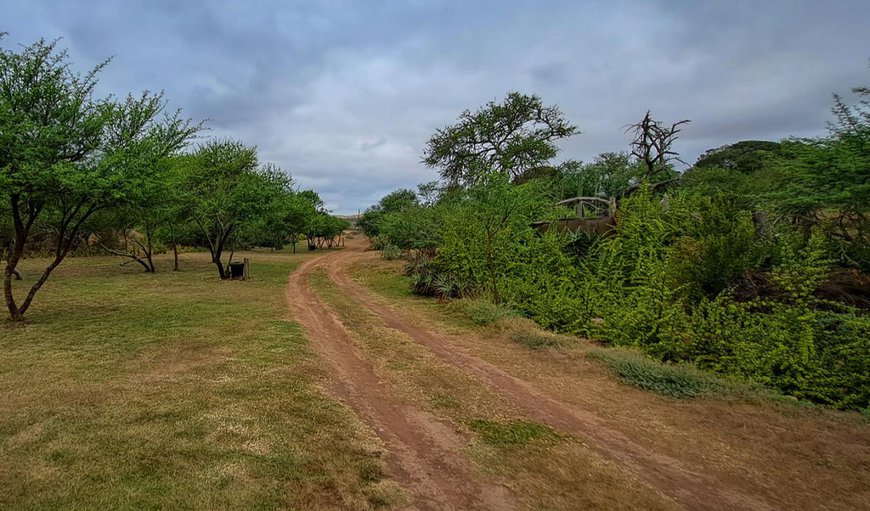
x,y
722,272
664,283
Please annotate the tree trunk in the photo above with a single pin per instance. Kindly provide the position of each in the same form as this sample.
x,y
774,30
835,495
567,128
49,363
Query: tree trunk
x,y
15,254
36,287
149,251
7,293
151,267
174,247
216,259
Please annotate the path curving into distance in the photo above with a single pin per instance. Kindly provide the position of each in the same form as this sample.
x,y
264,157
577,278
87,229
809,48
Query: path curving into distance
x,y
423,453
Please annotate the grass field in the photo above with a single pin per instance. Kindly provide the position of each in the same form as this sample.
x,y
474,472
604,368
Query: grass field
x,y
175,390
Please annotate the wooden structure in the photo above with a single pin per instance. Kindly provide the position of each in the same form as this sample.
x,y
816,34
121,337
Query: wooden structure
x,y
594,216
591,207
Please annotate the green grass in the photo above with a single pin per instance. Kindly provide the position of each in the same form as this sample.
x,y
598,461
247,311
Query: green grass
x,y
536,339
173,391
676,381
480,311
387,278
511,433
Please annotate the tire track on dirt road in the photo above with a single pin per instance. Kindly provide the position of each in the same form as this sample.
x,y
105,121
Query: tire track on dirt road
x,y
687,485
422,452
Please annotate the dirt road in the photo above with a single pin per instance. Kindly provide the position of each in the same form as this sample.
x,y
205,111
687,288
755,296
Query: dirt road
x,y
426,453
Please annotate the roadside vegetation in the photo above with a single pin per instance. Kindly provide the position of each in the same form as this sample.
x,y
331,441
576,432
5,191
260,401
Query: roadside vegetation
x,y
751,264
732,429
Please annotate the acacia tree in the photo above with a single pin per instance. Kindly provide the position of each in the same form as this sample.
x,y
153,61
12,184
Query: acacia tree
x,y
481,226
507,138
152,216
223,191
323,229
827,180
301,209
394,202
288,213
66,155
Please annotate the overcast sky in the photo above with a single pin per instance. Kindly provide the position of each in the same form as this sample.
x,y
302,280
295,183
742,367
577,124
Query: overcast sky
x,y
345,94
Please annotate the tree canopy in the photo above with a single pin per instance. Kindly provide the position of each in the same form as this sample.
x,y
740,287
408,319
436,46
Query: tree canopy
x,y
66,154
509,138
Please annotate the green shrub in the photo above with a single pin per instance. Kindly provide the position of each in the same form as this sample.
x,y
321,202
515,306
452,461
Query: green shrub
x,y
820,356
481,311
678,381
377,242
391,252
535,340
686,280
543,283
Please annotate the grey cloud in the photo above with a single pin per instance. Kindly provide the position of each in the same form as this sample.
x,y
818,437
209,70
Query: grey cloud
x,y
344,94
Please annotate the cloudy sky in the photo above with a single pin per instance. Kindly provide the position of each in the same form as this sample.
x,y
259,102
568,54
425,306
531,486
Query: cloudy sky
x,y
345,94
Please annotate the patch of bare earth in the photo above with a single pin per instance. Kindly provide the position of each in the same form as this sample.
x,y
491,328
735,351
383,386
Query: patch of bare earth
x,y
421,452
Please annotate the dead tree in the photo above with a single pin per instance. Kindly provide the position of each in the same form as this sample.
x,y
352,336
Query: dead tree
x,y
652,145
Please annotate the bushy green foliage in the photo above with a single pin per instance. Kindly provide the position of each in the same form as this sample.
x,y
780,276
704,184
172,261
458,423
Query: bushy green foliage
x,y
394,202
544,283
679,381
714,245
720,273
483,228
609,175
745,157
481,311
535,339
390,252
412,229
663,283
